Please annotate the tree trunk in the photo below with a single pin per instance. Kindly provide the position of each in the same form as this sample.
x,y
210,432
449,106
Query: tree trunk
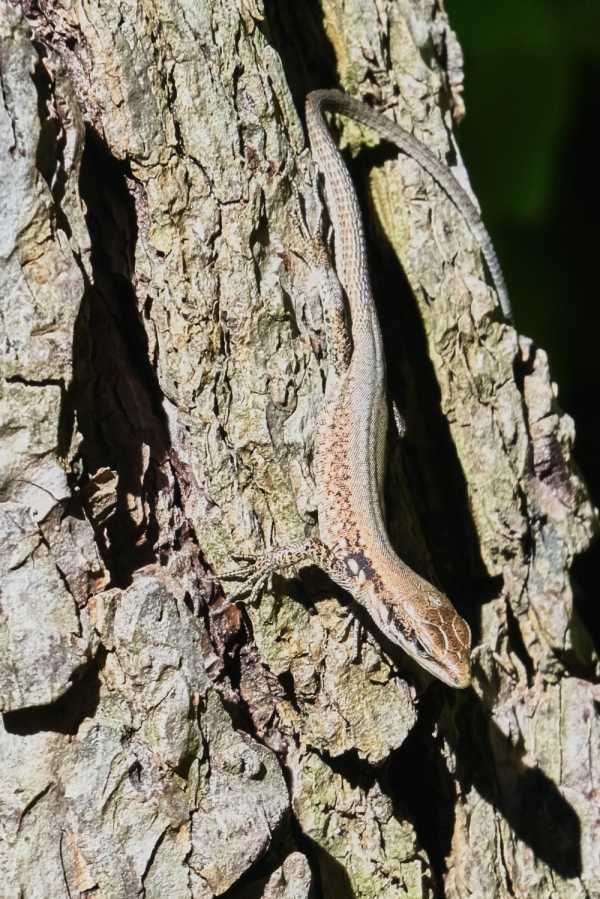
x,y
163,364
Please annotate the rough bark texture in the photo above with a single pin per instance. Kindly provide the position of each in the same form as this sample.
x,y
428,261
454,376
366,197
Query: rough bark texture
x,y
163,363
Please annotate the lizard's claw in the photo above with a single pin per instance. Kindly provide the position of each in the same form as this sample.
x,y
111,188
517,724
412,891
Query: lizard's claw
x,y
253,583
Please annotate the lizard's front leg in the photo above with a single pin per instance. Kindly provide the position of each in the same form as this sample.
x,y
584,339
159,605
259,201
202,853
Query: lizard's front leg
x,y
258,572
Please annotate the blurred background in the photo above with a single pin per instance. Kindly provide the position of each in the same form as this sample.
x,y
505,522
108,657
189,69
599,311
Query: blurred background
x,y
530,143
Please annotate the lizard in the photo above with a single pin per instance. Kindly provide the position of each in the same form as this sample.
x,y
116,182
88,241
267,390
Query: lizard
x,y
354,548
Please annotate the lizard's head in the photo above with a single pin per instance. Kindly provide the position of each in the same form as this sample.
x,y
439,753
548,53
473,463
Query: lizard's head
x,y
428,627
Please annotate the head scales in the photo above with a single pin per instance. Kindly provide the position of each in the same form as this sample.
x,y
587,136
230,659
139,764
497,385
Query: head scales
x,y
428,627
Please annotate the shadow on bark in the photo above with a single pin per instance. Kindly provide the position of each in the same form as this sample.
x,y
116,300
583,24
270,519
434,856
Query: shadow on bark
x,y
115,393
334,877
529,801
526,798
307,54
585,576
66,714
421,786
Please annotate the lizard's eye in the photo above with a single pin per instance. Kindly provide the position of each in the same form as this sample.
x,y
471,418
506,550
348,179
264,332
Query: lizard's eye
x,y
419,647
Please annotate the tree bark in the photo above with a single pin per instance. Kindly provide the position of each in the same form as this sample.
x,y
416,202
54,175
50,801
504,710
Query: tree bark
x,y
163,364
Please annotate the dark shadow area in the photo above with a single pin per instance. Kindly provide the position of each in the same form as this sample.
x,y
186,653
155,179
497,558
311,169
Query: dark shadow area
x,y
421,785
334,877
529,801
585,580
308,56
573,233
517,644
49,152
65,715
356,772
115,393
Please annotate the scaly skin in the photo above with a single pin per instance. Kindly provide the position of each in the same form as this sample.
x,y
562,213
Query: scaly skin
x,y
350,443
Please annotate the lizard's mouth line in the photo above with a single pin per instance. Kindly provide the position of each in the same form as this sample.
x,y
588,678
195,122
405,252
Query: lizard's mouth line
x,y
448,675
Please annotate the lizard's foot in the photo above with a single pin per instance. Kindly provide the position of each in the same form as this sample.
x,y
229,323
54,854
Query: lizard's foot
x,y
257,573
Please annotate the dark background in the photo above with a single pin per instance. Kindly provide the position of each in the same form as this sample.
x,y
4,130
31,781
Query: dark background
x,y
530,143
